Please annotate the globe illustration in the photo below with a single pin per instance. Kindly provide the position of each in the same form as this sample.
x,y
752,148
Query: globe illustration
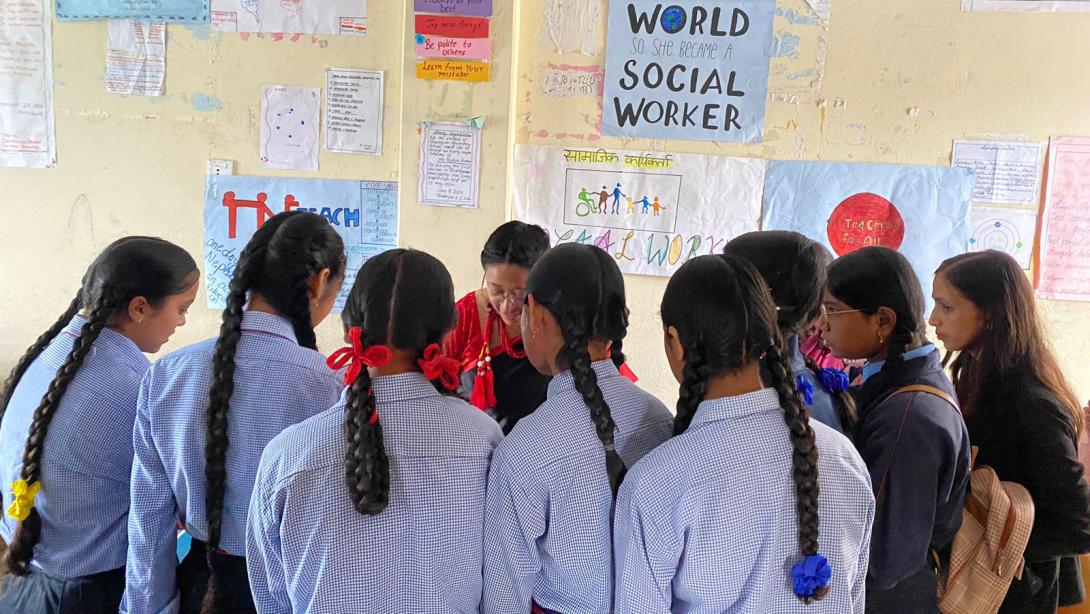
x,y
673,19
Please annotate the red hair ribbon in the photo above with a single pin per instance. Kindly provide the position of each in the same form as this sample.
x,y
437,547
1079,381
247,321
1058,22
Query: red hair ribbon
x,y
357,357
437,366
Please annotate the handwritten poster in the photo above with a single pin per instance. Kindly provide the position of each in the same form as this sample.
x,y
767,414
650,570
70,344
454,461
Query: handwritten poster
x,y
364,213
477,8
348,17
289,127
455,48
135,57
173,11
450,164
1065,251
921,211
1004,229
443,25
1005,172
452,70
651,211
687,69
26,85
353,111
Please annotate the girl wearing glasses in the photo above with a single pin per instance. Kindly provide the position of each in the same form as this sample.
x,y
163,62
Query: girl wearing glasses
x,y
487,340
914,442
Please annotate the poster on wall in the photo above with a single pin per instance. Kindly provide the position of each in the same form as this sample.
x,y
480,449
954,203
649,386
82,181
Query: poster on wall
x,y
353,111
1064,273
289,127
650,211
135,57
26,85
347,17
450,164
921,211
364,213
172,11
1004,229
687,69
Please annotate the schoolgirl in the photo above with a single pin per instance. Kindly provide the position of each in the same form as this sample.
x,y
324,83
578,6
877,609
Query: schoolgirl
x,y
66,437
548,541
207,411
405,535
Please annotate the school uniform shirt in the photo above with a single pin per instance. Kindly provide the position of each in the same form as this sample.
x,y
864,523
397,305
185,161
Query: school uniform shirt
x,y
548,536
309,550
819,401
707,523
277,383
916,448
84,497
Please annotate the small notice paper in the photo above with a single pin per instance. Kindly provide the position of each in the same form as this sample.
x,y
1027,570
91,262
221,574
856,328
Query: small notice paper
x,y
1008,173
135,57
450,163
1065,229
353,111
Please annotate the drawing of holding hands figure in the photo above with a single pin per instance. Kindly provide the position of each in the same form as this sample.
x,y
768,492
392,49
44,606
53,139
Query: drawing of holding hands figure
x,y
646,203
617,194
657,206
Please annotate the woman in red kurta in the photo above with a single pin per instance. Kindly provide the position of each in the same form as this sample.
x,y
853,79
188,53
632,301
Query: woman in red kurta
x,y
496,375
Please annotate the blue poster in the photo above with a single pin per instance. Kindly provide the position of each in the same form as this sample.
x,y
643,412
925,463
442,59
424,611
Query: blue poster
x,y
687,69
364,213
169,11
921,211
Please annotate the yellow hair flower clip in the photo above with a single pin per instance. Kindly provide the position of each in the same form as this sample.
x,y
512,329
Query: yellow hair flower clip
x,y
24,499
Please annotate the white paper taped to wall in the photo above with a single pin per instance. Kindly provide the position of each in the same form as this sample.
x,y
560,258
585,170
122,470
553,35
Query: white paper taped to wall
x,y
572,25
1024,6
26,85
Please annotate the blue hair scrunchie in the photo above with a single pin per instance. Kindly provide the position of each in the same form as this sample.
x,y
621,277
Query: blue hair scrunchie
x,y
810,577
806,388
834,380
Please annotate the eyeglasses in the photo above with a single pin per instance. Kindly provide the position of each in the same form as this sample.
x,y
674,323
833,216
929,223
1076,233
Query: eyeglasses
x,y
515,297
826,314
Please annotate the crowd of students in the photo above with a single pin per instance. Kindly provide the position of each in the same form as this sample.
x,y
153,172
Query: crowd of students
x,y
495,454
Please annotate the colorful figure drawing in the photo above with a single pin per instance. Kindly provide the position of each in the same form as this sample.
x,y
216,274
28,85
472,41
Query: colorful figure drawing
x,y
631,205
585,197
646,203
617,194
603,198
657,206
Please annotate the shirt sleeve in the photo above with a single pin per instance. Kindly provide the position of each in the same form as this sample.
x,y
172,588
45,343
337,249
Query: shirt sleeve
x,y
907,455
645,556
859,587
152,558
264,563
513,523
1061,496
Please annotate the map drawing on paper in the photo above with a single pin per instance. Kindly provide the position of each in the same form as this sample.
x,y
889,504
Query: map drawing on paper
x,y
290,16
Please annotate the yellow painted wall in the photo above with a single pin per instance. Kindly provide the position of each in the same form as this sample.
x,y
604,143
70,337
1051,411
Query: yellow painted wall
x,y
131,165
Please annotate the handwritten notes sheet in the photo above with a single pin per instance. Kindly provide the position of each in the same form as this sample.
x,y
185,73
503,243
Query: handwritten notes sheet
x,y
1065,230
26,85
353,111
450,164
1008,173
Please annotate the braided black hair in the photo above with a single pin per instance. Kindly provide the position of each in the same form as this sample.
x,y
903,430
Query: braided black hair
x,y
128,268
516,243
277,264
401,299
875,277
581,286
794,267
726,320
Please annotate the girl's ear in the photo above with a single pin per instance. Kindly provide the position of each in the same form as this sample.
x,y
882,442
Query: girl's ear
x,y
139,308
319,284
887,321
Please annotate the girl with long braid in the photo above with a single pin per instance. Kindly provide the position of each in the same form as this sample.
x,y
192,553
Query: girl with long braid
x,y
794,266
751,507
66,438
548,538
913,439
375,505
207,411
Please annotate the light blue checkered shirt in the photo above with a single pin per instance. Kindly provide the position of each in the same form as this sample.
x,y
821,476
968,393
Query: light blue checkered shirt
x,y
277,384
309,550
84,501
548,525
706,523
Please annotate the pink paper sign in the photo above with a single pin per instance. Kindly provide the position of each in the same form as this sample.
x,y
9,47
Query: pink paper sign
x,y
453,48
1065,227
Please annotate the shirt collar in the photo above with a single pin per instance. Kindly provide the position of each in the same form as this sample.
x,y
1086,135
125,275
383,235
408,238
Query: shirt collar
x,y
733,408
794,355
115,343
402,387
270,324
563,382
872,368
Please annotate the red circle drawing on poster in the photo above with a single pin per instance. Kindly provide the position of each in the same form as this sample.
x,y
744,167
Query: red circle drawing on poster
x,y
863,220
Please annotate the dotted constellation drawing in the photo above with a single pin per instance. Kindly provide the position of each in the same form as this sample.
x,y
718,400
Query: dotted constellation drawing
x,y
998,234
